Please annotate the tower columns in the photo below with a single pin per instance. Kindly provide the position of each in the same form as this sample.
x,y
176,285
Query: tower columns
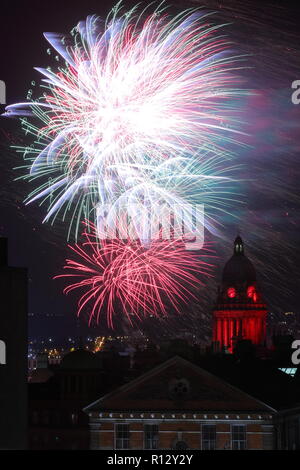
x,y
240,312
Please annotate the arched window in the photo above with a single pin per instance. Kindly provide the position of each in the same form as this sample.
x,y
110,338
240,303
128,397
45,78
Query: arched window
x,y
231,292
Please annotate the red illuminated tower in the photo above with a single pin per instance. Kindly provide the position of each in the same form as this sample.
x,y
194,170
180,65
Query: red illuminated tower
x,y
240,312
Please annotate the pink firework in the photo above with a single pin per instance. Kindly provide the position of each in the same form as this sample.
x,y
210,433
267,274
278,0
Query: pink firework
x,y
139,280
141,101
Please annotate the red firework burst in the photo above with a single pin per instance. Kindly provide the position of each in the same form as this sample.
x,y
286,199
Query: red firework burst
x,y
124,273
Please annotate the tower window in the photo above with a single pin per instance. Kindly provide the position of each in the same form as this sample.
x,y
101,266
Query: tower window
x,y
238,246
251,293
231,292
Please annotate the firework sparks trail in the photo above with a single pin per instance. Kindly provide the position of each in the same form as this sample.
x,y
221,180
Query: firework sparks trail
x,y
142,110
141,281
269,35
140,119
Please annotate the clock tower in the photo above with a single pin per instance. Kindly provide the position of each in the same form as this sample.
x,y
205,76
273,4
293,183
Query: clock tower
x,y
240,312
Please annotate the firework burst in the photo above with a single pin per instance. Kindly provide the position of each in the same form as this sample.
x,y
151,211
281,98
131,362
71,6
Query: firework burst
x,y
143,102
139,121
121,276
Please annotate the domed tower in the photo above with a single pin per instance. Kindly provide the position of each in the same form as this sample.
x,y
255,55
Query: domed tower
x,y
240,312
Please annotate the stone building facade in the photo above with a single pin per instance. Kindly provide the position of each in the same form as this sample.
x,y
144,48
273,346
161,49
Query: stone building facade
x,y
178,405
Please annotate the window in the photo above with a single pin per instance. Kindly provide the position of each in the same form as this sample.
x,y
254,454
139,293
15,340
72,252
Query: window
x,y
231,292
122,436
208,437
151,436
239,437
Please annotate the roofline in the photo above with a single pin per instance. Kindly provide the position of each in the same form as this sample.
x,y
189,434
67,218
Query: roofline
x,y
187,411
289,411
161,366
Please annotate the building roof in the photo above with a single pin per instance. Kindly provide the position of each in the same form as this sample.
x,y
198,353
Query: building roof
x,y
41,375
177,384
80,359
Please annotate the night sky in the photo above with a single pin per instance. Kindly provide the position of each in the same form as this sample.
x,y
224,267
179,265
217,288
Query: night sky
x,y
268,219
